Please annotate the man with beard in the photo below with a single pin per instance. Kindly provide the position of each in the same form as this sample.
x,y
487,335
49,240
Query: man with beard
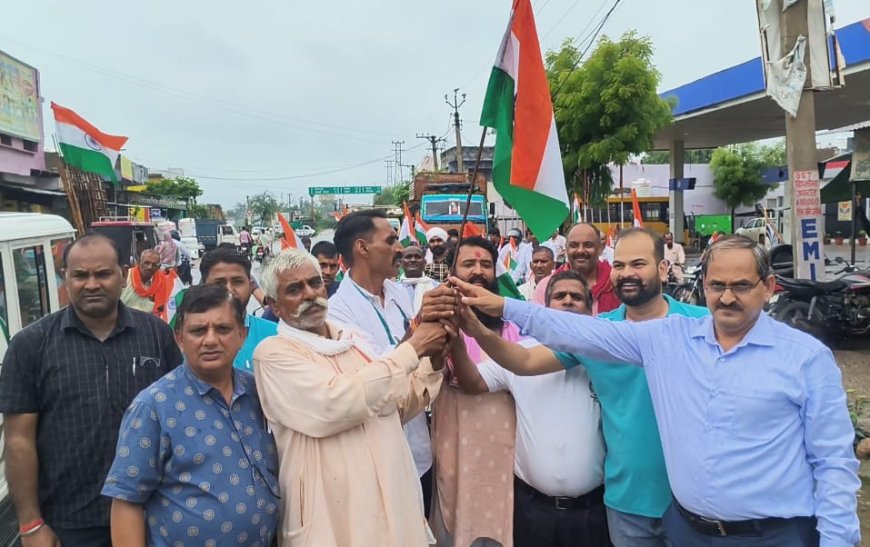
x,y
335,407
381,310
752,414
542,267
583,252
558,472
637,491
438,267
66,382
474,435
145,283
417,284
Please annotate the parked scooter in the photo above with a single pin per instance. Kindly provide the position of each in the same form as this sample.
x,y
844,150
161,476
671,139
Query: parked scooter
x,y
829,310
692,289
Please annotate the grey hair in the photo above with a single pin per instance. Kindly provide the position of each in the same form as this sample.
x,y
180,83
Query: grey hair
x,y
733,242
288,259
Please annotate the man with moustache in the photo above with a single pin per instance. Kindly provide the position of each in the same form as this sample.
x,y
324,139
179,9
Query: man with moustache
x,y
417,284
558,471
756,436
382,311
542,266
583,253
437,267
675,255
66,382
474,435
335,407
327,257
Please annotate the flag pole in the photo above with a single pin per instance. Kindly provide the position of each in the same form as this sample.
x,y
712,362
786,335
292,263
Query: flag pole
x,y
470,193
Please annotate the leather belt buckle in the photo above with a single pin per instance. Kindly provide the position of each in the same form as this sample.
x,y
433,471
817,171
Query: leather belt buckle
x,y
720,526
563,503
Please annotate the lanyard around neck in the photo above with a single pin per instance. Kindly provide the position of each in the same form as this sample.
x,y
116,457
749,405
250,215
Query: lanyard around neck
x,y
383,320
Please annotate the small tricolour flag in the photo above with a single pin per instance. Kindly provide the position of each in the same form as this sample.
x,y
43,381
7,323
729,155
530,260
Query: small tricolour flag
x,y
576,217
408,231
527,163
635,207
84,146
507,287
176,294
290,240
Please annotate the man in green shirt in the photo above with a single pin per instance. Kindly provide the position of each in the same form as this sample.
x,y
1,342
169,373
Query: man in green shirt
x,y
637,491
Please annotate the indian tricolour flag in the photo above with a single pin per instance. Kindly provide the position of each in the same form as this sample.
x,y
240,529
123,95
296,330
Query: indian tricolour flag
x,y
635,208
576,209
290,239
506,285
84,146
527,164
409,231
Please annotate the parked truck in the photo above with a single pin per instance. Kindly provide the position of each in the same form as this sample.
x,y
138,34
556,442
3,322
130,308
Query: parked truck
x,y
441,198
212,232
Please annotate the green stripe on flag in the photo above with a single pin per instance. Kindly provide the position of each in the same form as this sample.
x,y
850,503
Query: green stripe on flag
x,y
89,161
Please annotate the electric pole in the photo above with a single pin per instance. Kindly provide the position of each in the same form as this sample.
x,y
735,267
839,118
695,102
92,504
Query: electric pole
x,y
433,140
456,125
397,152
807,220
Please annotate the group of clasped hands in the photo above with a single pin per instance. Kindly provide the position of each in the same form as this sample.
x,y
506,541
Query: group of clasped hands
x,y
447,310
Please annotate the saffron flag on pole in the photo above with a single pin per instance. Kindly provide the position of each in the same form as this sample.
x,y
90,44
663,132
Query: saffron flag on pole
x,y
290,240
418,222
471,229
84,146
635,207
527,164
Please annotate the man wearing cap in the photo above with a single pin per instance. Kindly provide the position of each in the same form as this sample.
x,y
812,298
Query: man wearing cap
x,y
438,267
512,258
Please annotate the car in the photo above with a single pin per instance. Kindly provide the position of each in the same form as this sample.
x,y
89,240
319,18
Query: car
x,y
132,236
755,229
305,230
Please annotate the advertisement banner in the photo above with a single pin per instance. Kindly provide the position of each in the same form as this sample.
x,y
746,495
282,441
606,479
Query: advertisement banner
x,y
844,211
19,99
810,220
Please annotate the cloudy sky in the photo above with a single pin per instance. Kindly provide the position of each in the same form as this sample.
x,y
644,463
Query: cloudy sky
x,y
281,95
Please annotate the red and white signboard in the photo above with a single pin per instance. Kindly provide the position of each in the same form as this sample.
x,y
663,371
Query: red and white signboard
x,y
810,223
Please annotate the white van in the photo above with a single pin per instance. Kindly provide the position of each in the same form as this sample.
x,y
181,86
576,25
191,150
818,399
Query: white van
x,y
31,286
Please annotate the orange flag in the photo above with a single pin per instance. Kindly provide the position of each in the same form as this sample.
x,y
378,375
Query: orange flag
x,y
291,240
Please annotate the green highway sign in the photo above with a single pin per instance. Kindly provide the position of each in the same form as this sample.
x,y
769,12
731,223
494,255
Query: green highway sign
x,y
332,190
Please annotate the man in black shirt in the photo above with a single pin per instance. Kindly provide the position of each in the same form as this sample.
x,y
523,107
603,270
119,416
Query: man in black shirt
x,y
66,381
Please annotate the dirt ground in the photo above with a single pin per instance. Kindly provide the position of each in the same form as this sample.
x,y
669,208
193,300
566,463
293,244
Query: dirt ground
x,y
854,361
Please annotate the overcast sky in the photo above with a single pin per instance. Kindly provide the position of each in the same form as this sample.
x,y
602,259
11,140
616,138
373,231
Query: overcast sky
x,y
280,88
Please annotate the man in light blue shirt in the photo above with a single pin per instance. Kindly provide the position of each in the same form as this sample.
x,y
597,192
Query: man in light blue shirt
x,y
637,491
232,270
752,413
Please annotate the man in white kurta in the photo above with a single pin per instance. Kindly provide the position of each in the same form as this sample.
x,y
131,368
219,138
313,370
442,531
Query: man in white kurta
x,y
346,473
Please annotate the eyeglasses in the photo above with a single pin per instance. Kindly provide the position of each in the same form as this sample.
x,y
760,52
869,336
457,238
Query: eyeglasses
x,y
741,287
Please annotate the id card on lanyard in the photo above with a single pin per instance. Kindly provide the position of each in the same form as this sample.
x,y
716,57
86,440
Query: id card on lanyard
x,y
393,341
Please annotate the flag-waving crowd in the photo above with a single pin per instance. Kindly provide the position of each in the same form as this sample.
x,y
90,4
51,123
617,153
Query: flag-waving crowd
x,y
404,411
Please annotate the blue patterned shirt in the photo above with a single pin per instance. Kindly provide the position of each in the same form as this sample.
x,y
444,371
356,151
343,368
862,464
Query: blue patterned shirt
x,y
204,471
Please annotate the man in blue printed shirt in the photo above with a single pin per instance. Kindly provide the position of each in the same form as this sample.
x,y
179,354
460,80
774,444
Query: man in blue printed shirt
x,y
232,270
752,413
637,492
195,463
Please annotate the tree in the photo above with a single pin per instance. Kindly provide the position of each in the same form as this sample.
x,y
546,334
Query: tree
x,y
393,195
184,188
737,176
660,157
263,208
198,211
607,109
773,155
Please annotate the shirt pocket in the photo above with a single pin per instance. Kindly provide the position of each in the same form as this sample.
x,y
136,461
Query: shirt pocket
x,y
760,414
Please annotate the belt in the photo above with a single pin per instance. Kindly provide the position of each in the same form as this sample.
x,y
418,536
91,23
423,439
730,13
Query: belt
x,y
590,499
713,527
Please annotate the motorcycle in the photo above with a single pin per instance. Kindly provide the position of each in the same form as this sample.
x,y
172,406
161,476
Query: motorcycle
x,y
259,253
692,289
829,310
672,284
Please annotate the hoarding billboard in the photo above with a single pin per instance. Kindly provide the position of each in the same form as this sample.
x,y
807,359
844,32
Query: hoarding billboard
x,y
19,99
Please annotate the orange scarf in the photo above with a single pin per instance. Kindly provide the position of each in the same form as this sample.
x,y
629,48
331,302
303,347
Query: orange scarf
x,y
158,291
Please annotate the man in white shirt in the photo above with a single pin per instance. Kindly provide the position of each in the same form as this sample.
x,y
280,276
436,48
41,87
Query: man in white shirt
x,y
557,243
559,471
675,255
542,266
417,284
518,264
380,309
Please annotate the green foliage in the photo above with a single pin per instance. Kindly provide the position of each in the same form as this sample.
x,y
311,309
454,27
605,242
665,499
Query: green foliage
x,y
737,175
184,188
773,155
198,211
263,208
393,195
657,157
607,109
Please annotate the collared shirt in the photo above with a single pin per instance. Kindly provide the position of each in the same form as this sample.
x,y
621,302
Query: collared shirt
x,y
635,478
205,472
258,330
439,271
80,388
552,458
527,289
520,258
557,245
758,431
383,325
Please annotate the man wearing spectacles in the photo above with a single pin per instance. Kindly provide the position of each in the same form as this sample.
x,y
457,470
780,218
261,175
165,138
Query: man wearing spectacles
x,y
752,413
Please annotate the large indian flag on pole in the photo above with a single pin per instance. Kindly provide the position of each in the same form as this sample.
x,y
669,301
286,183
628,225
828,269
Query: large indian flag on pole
x,y
84,146
527,164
